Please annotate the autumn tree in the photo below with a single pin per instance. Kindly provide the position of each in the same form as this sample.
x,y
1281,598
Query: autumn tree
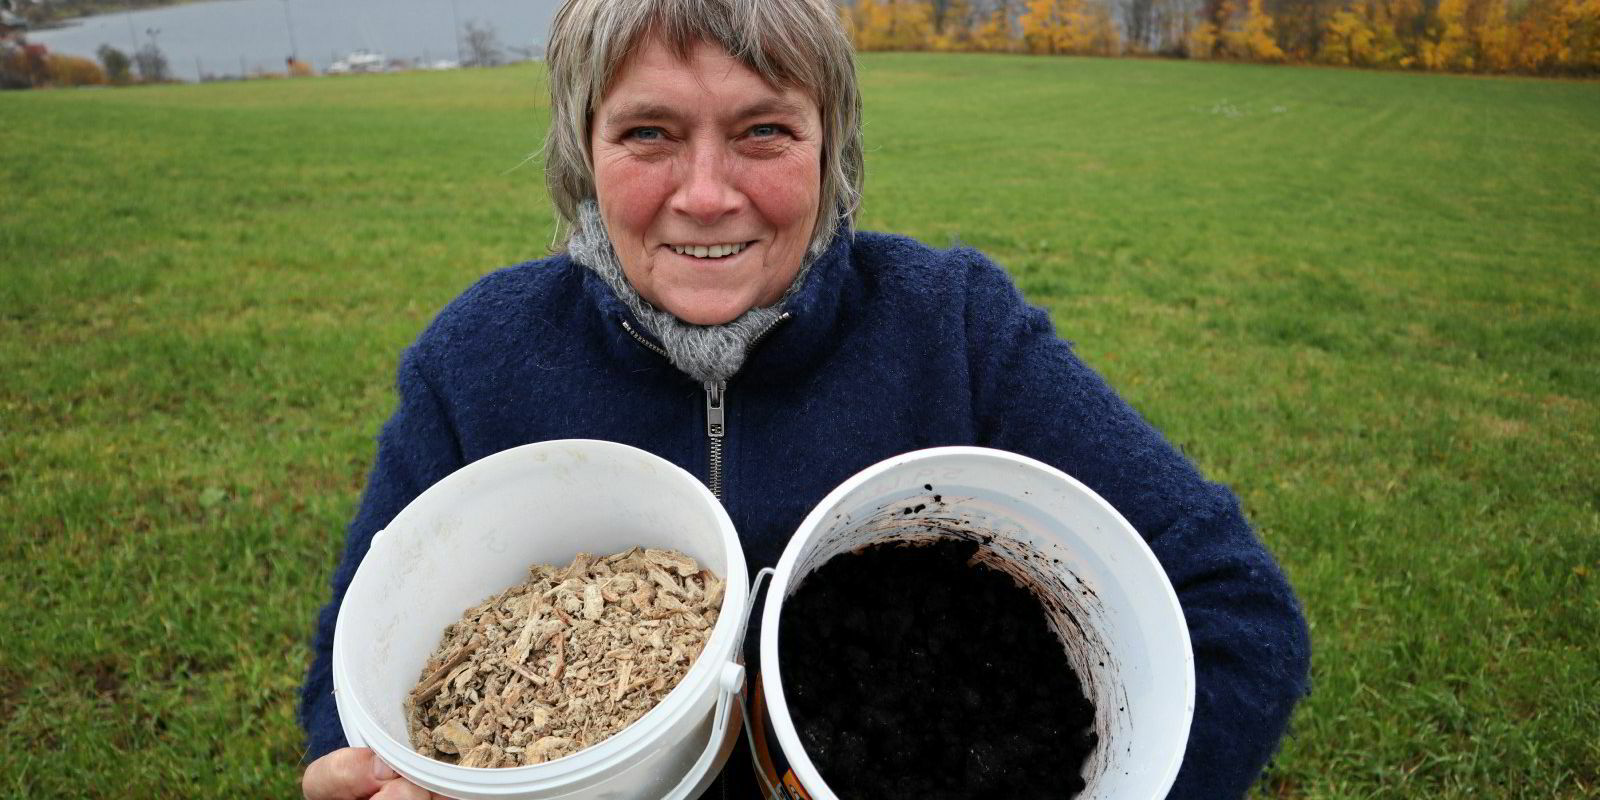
x,y
1253,38
1445,45
1349,39
1583,24
1044,25
1541,36
995,30
1205,38
1367,34
893,24
1492,35
1069,26
151,64
954,25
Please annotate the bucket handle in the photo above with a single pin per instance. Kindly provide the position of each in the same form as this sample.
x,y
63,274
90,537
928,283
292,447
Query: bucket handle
x,y
730,689
770,792
729,682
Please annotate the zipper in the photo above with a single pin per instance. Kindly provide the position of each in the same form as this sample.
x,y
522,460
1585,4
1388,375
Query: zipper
x,y
716,425
716,396
639,337
716,404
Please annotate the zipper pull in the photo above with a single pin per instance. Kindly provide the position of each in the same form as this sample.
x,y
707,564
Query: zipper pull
x,y
714,395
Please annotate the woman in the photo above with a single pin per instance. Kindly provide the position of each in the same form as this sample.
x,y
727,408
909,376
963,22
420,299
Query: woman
x,y
715,307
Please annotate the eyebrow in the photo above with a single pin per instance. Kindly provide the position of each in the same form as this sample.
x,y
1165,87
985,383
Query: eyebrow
x,y
644,111
635,112
771,106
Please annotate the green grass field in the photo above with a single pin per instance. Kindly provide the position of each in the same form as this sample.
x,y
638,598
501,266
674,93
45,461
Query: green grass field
x,y
1370,302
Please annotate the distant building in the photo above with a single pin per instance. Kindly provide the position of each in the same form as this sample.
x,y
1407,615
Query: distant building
x,y
12,26
359,61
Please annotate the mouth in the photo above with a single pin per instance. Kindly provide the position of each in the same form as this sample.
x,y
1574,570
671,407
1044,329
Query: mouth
x,y
710,251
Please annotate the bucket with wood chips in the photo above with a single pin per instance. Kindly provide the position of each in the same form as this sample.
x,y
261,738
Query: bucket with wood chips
x,y
476,533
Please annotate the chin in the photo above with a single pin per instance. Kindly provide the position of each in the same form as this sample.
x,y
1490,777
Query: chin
x,y
695,315
708,310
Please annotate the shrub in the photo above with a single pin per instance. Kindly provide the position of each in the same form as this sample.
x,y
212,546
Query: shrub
x,y
13,68
74,71
119,68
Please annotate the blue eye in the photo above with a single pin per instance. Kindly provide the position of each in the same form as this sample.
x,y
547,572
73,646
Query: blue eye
x,y
646,134
765,131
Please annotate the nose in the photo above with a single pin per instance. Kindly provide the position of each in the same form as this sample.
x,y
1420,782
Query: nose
x,y
706,192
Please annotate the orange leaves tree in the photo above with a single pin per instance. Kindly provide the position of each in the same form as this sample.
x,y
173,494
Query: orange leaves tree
x,y
1530,36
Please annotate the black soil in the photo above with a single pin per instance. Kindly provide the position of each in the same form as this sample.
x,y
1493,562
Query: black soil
x,y
911,673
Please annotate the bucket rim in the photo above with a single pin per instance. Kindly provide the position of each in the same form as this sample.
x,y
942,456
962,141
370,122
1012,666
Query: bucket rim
x,y
721,648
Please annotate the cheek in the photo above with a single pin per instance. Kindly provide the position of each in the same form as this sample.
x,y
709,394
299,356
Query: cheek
x,y
788,193
630,196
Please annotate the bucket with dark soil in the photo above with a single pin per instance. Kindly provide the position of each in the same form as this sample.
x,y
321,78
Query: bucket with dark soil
x,y
915,672
968,623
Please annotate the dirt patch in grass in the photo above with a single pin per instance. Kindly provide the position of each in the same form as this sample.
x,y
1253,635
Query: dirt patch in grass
x,y
1500,427
104,675
12,686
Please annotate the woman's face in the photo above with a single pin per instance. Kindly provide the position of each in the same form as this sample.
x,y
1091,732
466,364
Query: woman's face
x,y
708,179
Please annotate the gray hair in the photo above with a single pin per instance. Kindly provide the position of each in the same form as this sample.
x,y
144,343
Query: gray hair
x,y
789,43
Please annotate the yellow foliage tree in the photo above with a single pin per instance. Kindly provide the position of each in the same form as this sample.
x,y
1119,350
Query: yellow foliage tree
x,y
1256,38
893,24
1202,41
1349,39
1069,26
1044,25
995,32
1492,36
1209,38
1541,37
847,18
1387,18
955,28
1447,45
1582,19
1247,35
1366,35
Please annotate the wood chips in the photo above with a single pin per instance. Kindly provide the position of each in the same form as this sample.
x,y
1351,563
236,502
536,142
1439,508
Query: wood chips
x,y
559,663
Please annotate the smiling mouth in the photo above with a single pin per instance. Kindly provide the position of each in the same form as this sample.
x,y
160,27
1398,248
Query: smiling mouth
x,y
709,250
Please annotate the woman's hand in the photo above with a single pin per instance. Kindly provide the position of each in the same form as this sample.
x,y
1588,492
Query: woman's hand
x,y
354,773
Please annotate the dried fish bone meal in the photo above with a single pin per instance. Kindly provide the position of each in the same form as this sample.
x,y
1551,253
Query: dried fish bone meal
x,y
564,660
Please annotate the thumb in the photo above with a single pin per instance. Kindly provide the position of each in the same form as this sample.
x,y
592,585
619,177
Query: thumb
x,y
351,773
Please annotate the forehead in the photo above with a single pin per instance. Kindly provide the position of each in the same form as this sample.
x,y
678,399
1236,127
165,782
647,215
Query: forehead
x,y
655,73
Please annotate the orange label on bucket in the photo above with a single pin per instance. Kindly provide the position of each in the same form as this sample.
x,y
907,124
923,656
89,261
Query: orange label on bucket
x,y
770,762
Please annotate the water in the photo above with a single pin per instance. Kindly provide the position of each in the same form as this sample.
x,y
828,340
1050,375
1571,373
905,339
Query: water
x,y
230,37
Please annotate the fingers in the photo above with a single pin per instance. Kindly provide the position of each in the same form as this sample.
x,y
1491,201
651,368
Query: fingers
x,y
354,773
402,789
344,774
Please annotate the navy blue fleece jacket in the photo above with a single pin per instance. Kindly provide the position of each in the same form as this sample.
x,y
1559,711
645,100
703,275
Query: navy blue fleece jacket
x,y
890,346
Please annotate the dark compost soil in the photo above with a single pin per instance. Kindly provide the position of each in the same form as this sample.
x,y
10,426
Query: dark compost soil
x,y
911,673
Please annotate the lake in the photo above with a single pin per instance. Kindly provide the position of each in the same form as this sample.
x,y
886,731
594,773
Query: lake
x,y
230,37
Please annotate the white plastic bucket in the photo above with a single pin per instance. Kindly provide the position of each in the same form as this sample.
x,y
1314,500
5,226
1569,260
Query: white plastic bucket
x,y
475,533
1107,597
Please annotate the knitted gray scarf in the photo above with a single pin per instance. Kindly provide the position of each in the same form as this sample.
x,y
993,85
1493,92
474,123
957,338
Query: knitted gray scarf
x,y
707,353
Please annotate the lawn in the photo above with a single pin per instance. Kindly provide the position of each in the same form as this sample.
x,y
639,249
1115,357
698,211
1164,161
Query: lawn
x,y
1370,302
